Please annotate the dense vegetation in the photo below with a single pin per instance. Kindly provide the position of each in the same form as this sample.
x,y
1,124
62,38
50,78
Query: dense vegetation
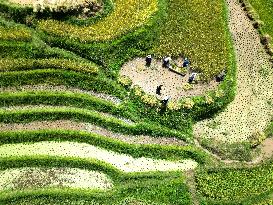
x,y
43,48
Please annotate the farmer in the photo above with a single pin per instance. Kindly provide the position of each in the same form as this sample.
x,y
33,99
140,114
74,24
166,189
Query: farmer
x,y
192,77
158,89
166,62
186,62
166,100
148,60
220,77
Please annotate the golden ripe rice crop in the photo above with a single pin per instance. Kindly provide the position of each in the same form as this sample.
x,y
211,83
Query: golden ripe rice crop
x,y
196,29
127,15
16,34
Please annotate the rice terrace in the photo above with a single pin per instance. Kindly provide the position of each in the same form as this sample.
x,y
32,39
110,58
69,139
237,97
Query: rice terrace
x,y
136,102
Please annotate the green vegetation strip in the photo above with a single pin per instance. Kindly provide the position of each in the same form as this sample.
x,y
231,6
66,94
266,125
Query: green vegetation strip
x,y
135,150
123,162
25,178
20,115
159,187
62,77
14,34
127,15
231,185
8,64
264,9
196,29
57,99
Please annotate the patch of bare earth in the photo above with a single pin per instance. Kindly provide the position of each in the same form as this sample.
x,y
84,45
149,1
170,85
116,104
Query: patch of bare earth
x,y
267,148
148,78
77,126
190,180
251,110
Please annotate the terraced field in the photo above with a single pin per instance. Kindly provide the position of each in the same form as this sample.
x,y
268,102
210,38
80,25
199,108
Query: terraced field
x,y
74,129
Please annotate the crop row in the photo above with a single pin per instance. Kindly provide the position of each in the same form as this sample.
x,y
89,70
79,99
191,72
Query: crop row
x,y
127,15
14,34
152,151
19,64
88,82
19,115
61,77
140,186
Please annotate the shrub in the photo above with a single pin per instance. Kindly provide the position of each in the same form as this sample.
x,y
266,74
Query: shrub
x,y
125,81
208,99
188,103
173,105
150,100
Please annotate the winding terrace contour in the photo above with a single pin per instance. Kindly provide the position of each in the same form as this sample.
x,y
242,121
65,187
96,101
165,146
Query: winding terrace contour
x,y
250,111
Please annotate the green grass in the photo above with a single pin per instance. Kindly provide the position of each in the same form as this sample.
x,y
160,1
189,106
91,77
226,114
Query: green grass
x,y
234,185
264,8
135,150
198,30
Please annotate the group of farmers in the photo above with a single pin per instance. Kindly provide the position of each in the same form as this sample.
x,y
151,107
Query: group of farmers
x,y
167,64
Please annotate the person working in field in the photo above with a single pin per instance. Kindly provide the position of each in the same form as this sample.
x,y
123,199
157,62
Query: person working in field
x,y
148,60
166,62
158,89
186,62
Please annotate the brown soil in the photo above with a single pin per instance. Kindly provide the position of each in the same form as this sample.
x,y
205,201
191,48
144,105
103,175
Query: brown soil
x,y
190,180
76,126
148,78
267,148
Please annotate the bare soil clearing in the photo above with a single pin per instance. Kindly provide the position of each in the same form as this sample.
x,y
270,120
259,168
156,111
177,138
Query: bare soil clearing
x,y
250,111
267,148
148,78
77,126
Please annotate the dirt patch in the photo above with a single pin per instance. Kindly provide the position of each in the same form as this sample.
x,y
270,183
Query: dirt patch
x,y
59,124
267,148
148,78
